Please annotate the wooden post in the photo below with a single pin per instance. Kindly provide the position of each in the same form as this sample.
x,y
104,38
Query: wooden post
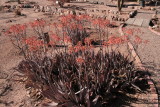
x,y
46,38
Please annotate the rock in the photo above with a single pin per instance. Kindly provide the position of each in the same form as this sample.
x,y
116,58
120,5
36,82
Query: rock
x,y
47,9
146,8
103,11
8,21
154,16
13,7
131,7
155,26
116,18
132,14
36,6
37,10
26,6
119,19
111,11
7,6
41,8
123,19
68,12
104,17
97,10
136,7
115,12
3,30
153,9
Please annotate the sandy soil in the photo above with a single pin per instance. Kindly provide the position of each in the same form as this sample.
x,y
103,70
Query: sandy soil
x,y
13,94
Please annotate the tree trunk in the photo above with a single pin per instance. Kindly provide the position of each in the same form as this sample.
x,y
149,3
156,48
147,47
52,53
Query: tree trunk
x,y
120,4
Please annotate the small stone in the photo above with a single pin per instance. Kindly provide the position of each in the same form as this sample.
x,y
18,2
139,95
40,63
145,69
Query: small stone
x,y
153,9
123,20
13,7
154,16
41,8
103,11
37,10
131,7
97,10
155,26
8,21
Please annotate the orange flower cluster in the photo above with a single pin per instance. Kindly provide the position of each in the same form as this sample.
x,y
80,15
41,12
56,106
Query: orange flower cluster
x,y
67,39
79,60
87,41
80,47
55,37
115,40
129,32
52,43
66,19
33,43
38,23
71,22
101,22
16,29
138,40
83,17
133,32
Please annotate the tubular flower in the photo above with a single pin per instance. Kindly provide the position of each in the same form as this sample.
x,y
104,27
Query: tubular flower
x,y
67,39
146,41
101,22
71,49
33,43
115,40
79,60
38,23
55,37
87,41
129,32
52,43
16,29
138,40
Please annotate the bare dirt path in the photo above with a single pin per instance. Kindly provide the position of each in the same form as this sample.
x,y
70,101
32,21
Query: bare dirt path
x,y
150,54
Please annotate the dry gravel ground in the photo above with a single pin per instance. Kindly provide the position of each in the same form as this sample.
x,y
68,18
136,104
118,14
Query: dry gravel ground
x,y
13,94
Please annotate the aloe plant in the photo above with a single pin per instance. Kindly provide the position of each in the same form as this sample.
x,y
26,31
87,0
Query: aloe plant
x,y
88,81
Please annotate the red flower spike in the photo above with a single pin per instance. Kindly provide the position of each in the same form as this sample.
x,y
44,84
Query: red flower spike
x,y
79,60
33,43
146,41
67,39
55,37
71,49
87,41
52,43
129,32
138,40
